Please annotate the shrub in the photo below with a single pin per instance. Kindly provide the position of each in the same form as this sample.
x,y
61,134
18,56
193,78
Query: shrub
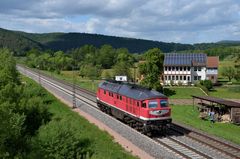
x,y
198,84
180,83
207,84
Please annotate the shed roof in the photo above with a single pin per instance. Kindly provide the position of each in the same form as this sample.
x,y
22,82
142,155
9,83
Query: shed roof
x,y
221,101
185,59
131,90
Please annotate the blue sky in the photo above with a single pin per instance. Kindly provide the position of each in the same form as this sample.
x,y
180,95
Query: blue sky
x,y
184,21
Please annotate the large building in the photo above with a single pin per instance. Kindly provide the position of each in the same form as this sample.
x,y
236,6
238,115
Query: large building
x,y
188,68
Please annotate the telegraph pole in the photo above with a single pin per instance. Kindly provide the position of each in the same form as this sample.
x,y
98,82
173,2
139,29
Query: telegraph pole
x,y
74,105
134,67
39,75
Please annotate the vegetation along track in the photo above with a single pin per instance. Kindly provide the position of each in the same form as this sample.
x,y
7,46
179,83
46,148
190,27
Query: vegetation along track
x,y
179,139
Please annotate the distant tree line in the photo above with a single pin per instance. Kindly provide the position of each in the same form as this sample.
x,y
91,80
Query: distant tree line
x,y
221,51
88,59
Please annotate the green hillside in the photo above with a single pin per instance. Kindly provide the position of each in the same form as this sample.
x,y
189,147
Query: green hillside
x,y
17,42
20,42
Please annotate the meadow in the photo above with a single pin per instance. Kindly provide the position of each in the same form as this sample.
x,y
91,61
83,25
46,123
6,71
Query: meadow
x,y
189,115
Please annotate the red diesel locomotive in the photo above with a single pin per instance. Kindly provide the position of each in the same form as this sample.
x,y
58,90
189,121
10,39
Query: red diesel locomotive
x,y
143,109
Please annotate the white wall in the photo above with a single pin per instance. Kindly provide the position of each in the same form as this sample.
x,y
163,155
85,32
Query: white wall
x,y
212,71
177,73
191,74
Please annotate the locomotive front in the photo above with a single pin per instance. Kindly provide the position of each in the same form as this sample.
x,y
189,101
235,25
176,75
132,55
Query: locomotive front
x,y
156,114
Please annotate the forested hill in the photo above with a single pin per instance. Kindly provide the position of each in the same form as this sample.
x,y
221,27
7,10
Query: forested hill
x,y
20,41
17,42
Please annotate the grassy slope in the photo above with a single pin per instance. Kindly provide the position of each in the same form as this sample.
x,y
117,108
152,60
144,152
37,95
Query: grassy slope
x,y
103,145
82,82
184,92
225,92
189,115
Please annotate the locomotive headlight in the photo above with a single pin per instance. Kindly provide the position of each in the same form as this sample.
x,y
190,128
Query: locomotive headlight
x,y
158,112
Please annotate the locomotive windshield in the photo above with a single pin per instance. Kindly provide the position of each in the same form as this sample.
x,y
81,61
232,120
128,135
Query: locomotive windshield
x,y
164,103
152,104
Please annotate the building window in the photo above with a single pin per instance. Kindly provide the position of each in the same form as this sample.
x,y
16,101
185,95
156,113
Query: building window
x,y
165,77
169,68
173,77
180,77
169,78
173,68
199,77
180,68
195,68
195,78
184,78
199,68
176,77
188,78
166,68
184,68
177,68
188,68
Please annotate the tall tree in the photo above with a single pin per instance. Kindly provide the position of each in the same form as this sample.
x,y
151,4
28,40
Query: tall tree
x,y
124,63
229,72
106,56
152,69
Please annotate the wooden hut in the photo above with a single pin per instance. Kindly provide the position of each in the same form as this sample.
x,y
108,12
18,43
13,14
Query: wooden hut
x,y
225,110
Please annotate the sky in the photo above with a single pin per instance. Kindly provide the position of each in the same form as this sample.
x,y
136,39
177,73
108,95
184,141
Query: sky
x,y
182,21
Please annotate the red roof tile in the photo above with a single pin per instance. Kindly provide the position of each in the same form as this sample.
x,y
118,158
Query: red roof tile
x,y
212,61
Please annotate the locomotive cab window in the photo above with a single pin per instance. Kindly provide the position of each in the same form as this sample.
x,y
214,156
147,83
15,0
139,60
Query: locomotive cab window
x,y
152,104
164,103
144,105
120,97
104,92
138,104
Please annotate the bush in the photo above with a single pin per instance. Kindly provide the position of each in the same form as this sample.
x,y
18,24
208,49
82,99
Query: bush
x,y
59,139
207,84
198,84
180,83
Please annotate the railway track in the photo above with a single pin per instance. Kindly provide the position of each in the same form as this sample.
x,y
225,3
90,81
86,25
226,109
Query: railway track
x,y
180,140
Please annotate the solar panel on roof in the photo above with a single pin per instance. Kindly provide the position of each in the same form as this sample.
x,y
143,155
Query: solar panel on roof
x,y
184,58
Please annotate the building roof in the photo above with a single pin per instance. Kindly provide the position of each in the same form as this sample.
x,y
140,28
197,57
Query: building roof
x,y
212,61
220,101
185,59
130,90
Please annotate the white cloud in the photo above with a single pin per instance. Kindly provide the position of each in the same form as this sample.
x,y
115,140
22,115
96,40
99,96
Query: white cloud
x,y
186,21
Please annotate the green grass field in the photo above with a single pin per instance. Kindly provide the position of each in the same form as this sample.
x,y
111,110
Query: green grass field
x,y
189,115
182,92
81,82
102,143
231,92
